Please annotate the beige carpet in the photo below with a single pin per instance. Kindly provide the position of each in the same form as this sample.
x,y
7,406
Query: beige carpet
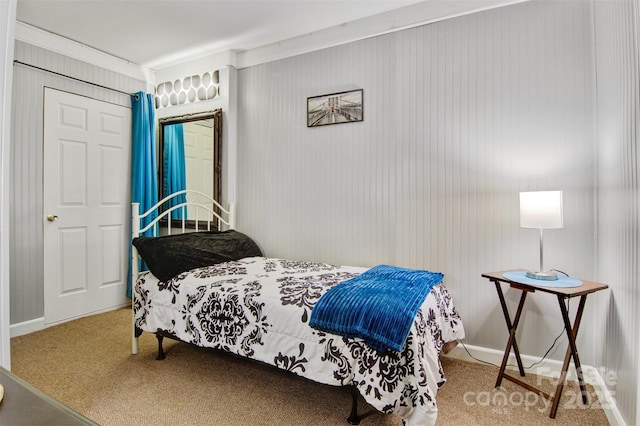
x,y
87,365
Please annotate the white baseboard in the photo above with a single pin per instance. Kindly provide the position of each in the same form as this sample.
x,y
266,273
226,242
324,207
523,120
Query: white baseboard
x,y
38,324
547,368
27,327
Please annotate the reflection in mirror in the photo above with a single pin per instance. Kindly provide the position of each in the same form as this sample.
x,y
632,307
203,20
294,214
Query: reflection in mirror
x,y
190,147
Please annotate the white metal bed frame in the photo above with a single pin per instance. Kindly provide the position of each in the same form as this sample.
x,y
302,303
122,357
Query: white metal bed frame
x,y
216,216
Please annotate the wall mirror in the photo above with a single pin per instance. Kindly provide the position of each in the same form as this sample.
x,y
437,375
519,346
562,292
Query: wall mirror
x,y
189,153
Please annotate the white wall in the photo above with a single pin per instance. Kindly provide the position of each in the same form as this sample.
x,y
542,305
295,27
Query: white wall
x,y
7,21
459,116
618,63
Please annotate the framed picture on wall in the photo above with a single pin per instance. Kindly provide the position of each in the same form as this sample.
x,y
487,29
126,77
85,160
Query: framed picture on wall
x,y
335,108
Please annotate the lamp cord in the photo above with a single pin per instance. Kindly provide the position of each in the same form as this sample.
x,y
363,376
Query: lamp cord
x,y
513,365
543,356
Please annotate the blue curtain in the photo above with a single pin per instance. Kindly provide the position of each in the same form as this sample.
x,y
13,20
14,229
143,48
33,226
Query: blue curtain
x,y
175,176
144,183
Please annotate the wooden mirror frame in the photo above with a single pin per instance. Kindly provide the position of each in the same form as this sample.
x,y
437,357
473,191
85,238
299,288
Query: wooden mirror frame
x,y
216,115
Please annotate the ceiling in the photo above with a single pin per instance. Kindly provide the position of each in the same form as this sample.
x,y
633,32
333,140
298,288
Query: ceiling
x,y
157,33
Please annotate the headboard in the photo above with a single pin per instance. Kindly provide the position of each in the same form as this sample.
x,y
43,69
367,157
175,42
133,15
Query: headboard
x,y
208,213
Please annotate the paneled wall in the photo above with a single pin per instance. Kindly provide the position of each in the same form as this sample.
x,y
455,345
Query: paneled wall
x,y
618,101
459,116
27,217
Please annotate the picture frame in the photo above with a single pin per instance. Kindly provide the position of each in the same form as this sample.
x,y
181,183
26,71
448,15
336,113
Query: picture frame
x,y
335,108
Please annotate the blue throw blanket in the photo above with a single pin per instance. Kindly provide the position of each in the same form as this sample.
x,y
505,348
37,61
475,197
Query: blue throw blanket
x,y
378,306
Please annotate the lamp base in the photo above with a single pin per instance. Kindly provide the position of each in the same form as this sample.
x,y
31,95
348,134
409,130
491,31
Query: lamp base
x,y
542,275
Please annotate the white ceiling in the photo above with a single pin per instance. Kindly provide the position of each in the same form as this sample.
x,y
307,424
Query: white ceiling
x,y
156,33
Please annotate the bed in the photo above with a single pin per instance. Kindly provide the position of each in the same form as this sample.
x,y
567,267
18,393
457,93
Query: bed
x,y
222,293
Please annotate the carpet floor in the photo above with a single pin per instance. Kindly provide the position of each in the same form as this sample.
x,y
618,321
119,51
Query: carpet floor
x,y
87,365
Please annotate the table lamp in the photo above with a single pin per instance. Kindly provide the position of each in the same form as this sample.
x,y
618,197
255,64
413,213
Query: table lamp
x,y
541,210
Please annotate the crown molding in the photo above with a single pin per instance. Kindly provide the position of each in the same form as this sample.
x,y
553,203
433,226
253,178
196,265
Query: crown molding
x,y
414,15
76,50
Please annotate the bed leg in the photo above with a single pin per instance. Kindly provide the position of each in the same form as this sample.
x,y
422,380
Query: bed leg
x,y
160,350
353,418
137,332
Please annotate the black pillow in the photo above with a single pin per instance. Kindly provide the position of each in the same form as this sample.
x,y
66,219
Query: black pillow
x,y
169,255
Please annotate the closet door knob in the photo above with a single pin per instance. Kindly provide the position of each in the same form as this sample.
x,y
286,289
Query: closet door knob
x,y
52,218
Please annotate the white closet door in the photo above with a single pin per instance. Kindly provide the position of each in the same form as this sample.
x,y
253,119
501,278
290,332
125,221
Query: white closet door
x,y
198,152
86,197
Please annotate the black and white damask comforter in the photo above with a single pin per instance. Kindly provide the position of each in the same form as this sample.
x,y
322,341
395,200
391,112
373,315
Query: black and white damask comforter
x,y
260,307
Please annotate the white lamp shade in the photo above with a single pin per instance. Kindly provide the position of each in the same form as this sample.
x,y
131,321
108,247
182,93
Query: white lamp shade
x,y
541,209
